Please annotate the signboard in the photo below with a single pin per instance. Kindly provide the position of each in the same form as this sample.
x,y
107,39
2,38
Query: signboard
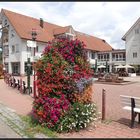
x,y
31,44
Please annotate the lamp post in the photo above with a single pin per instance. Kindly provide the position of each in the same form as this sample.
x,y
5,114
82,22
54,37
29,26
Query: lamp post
x,y
34,34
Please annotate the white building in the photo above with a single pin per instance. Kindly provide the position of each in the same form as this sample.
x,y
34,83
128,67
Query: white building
x,y
132,45
113,58
16,30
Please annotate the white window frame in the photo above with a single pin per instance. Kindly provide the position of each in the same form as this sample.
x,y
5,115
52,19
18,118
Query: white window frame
x,y
135,55
13,49
136,31
17,48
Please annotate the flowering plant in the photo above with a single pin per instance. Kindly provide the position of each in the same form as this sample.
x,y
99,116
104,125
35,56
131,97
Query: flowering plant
x,y
48,110
64,82
79,116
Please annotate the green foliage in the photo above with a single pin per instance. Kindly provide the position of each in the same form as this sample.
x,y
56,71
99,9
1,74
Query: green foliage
x,y
78,117
33,127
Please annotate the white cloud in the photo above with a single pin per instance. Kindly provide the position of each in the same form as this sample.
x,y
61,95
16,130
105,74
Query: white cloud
x,y
108,20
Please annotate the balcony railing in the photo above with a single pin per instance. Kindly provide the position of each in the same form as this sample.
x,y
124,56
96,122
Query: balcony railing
x,y
118,59
102,60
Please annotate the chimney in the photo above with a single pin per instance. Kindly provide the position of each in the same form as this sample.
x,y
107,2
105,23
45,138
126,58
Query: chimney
x,y
41,22
103,40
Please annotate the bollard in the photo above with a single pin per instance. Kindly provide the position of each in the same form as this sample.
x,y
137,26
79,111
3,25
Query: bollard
x,y
20,85
103,104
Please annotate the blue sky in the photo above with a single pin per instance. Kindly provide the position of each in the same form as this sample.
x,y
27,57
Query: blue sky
x,y
106,20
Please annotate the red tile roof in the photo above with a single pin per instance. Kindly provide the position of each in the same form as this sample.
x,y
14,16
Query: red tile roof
x,y
24,24
61,30
94,43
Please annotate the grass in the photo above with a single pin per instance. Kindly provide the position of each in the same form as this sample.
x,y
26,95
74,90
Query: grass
x,y
34,128
106,121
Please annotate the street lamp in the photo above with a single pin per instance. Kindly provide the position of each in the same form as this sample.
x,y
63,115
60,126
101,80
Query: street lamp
x,y
34,34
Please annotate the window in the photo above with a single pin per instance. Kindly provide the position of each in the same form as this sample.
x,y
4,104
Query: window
x,y
17,48
15,68
5,22
136,31
116,57
6,51
28,49
123,56
92,55
99,57
108,57
69,37
12,33
134,55
36,48
13,48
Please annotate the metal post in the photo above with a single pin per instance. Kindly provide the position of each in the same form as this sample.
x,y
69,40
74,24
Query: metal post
x,y
34,79
103,104
28,74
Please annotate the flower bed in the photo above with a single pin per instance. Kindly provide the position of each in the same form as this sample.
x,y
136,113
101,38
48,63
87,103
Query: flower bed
x,y
64,81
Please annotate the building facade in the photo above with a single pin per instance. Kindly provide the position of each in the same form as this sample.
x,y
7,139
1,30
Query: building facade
x,y
16,31
113,58
132,45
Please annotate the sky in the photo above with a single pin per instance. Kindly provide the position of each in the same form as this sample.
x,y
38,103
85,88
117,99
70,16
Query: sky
x,y
105,20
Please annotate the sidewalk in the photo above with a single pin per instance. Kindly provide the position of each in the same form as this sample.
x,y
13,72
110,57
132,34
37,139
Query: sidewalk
x,y
12,126
21,103
13,104
6,131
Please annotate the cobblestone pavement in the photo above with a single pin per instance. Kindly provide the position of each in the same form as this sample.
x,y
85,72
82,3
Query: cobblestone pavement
x,y
12,126
117,120
6,131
